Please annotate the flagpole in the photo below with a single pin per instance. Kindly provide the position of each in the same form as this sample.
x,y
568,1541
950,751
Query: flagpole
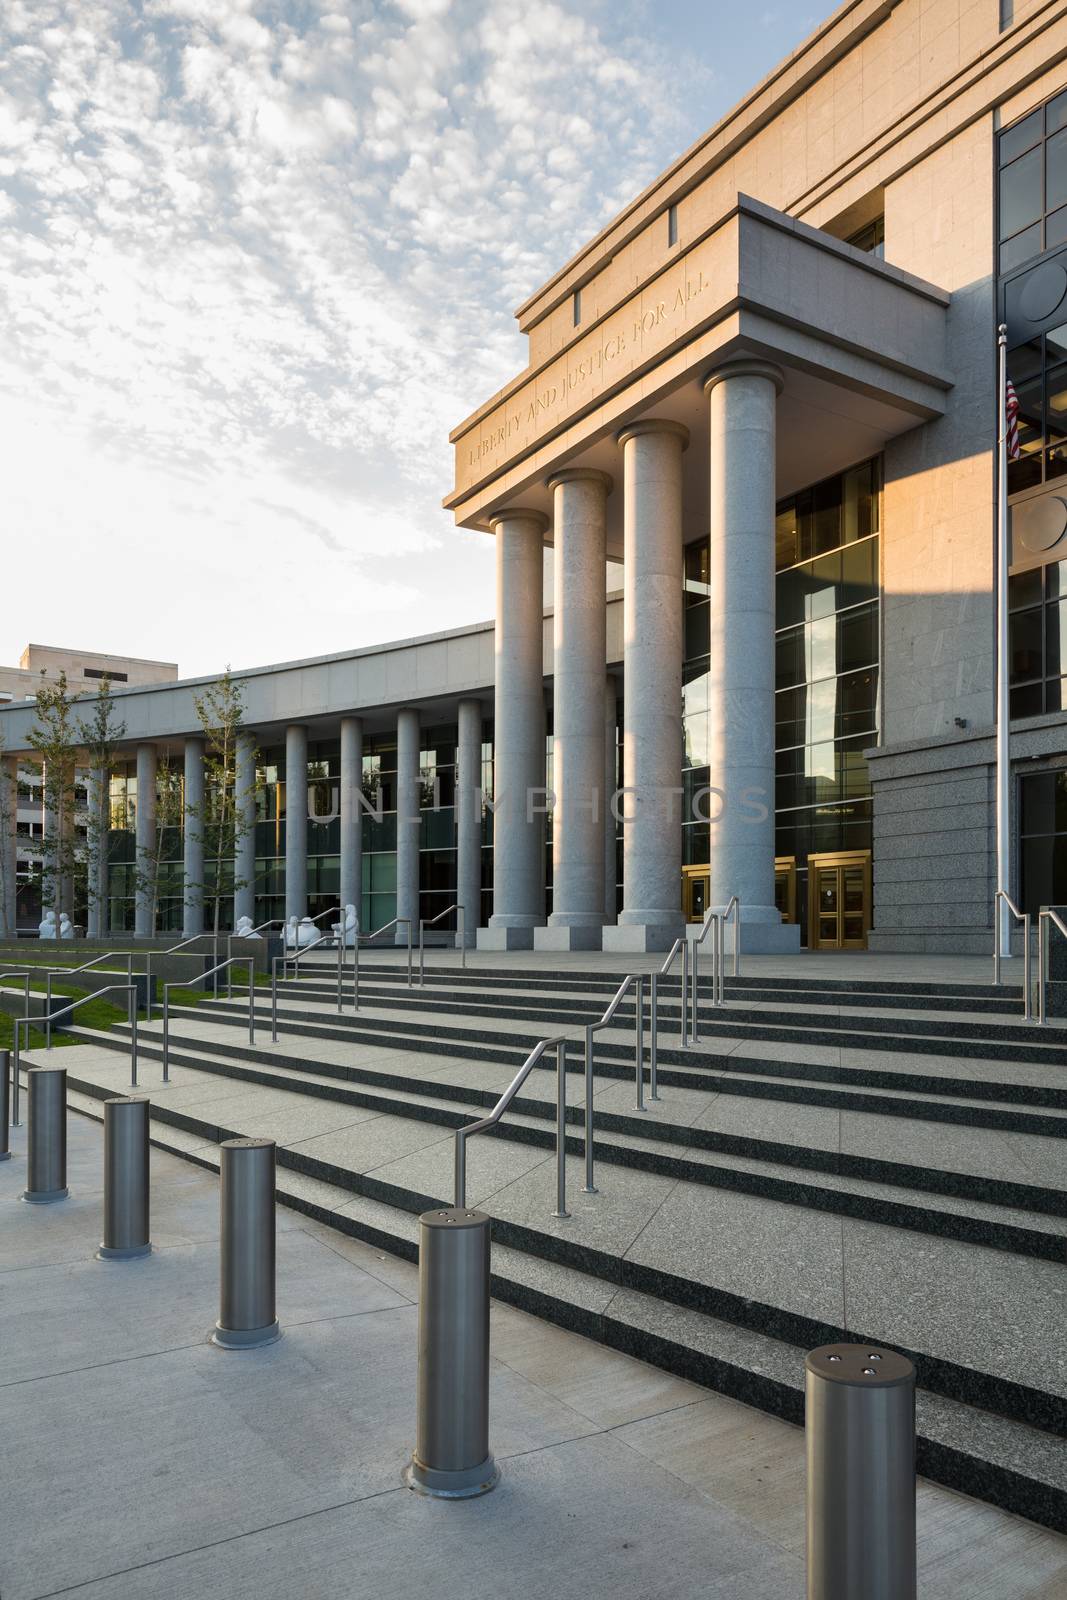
x,y
1003,757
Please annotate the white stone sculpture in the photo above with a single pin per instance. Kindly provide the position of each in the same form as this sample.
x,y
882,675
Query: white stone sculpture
x,y
351,927
245,929
307,932
290,932
47,929
66,927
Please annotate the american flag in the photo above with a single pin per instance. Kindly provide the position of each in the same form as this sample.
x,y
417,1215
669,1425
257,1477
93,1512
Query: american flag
x,y
1011,407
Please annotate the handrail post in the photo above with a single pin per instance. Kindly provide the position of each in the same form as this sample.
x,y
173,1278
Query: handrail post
x,y
132,998
561,1130
48,1011
737,937
639,1041
340,968
274,1000
251,1000
1042,964
694,1021
5,1143
685,993
422,940
19,1023
148,985
462,936
996,938
653,1048
718,949
408,921
590,1186
1027,997
461,1170
355,972
166,1033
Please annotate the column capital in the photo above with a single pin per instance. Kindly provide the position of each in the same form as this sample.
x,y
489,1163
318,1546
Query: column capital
x,y
654,425
519,514
581,475
745,368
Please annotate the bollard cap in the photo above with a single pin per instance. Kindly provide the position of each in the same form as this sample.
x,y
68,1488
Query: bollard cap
x,y
34,1071
868,1366
127,1100
453,1217
246,1144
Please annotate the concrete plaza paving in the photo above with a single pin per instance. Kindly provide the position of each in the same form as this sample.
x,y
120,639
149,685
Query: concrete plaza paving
x,y
141,1462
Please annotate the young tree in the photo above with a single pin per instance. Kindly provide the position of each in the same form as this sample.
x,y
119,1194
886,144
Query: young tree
x,y
9,801
54,737
100,736
220,821
150,872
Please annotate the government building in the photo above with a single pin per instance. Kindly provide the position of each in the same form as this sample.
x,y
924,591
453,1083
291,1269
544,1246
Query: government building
x,y
766,393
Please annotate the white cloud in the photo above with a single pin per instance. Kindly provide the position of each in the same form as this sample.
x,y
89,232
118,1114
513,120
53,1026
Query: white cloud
x,y
257,260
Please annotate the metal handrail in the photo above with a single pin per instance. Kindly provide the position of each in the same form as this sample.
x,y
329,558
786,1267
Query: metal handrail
x,y
1045,917
712,919
27,1023
296,959
734,905
461,931
396,923
560,1042
25,976
591,1028
682,945
1024,918
189,983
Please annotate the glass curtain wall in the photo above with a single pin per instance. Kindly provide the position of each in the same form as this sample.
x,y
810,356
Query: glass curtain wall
x,y
1043,840
827,649
826,702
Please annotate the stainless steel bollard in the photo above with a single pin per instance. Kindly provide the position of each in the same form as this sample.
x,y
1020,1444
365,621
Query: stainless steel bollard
x,y
860,1435
5,1134
46,1144
247,1267
126,1158
452,1459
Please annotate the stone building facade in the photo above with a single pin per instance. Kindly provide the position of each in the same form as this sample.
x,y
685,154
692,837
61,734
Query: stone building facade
x,y
767,389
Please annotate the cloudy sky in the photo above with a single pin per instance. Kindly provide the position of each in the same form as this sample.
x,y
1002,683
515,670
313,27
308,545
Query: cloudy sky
x,y
257,257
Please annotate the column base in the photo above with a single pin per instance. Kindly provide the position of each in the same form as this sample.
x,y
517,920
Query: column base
x,y
244,1338
463,1485
567,937
640,938
44,1197
505,938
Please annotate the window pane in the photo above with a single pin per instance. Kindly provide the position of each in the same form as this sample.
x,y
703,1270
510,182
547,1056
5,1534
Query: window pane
x,y
859,572
1056,113
1024,361
697,623
789,658
1056,171
1021,137
1028,701
1037,796
1021,248
1056,228
1029,396
1024,474
1057,402
858,639
827,507
1024,652
1056,639
857,697
1056,579
1020,194
1056,462
821,639
1037,861
1024,589
786,550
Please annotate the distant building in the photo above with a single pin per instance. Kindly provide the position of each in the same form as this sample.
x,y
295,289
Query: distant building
x,y
85,671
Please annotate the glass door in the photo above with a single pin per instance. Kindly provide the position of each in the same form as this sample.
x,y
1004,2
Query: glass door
x,y
695,885
839,889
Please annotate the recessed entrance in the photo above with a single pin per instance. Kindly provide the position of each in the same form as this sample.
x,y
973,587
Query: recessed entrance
x,y
839,900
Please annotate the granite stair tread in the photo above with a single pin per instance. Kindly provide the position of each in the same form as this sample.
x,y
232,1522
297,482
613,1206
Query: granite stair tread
x,y
969,1447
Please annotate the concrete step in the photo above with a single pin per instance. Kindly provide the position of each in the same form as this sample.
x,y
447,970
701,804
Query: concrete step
x,y
959,1101
928,1031
1026,1218
980,1433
